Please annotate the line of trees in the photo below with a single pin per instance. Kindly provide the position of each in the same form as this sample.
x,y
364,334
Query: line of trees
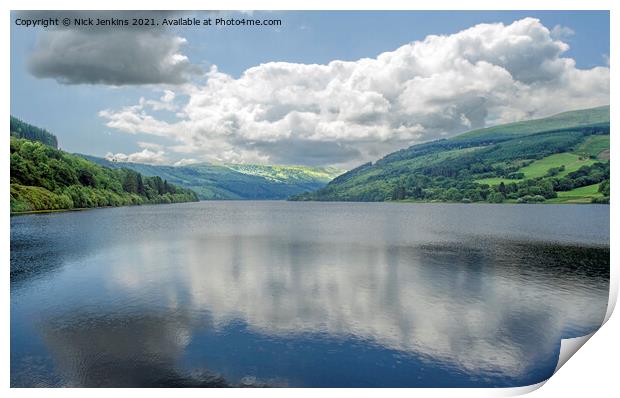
x,y
22,129
44,178
428,188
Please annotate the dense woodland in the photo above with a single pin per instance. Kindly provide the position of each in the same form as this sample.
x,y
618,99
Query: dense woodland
x,y
45,178
21,129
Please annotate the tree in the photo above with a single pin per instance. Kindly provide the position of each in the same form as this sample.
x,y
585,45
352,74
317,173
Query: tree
x,y
516,176
87,178
496,197
139,184
130,182
44,178
398,193
502,189
21,129
604,188
454,194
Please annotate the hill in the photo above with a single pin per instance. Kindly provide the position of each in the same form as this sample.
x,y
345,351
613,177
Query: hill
x,y
44,178
20,129
565,120
531,161
235,181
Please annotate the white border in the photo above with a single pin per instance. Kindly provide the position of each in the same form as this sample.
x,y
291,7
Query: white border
x,y
593,371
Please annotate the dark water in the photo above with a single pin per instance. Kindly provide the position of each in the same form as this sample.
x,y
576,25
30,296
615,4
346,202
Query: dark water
x,y
303,294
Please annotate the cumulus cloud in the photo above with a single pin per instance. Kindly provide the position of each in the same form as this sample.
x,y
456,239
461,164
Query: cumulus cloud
x,y
186,162
562,32
606,59
110,55
145,156
113,58
347,112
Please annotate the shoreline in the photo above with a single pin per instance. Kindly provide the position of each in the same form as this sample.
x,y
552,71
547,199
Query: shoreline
x,y
22,213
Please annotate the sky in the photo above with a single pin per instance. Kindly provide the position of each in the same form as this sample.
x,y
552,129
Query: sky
x,y
323,89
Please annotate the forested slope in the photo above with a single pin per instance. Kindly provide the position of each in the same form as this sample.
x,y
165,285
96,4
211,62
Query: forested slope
x,y
45,178
524,162
20,129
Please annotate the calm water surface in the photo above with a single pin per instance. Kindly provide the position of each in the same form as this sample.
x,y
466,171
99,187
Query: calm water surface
x,y
303,294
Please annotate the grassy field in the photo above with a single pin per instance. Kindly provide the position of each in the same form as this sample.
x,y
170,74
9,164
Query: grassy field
x,y
539,168
594,145
495,181
570,161
577,195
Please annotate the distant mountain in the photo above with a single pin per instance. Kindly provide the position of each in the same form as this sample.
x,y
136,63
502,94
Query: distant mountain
x,y
558,159
235,181
20,129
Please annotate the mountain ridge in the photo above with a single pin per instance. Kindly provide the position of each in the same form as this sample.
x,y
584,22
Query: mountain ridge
x,y
230,181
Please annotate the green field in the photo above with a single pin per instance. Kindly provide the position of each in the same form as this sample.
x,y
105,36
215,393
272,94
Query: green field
x,y
594,145
495,181
539,168
570,161
578,195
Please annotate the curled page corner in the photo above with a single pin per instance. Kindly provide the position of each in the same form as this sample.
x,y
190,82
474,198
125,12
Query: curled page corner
x,y
516,391
613,297
568,348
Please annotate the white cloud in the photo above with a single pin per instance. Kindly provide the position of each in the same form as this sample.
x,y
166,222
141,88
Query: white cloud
x,y
133,120
150,145
165,102
185,162
168,96
145,156
561,32
475,331
606,59
344,113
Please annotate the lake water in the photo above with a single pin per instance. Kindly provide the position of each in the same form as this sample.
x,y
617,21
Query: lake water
x,y
304,294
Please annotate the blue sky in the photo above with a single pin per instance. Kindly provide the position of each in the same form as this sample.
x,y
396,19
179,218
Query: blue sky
x,y
72,111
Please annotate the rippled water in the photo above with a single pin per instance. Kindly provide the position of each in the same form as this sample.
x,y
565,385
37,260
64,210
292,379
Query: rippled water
x,y
303,294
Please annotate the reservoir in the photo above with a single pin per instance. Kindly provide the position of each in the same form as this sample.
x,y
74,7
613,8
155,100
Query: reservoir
x,y
303,294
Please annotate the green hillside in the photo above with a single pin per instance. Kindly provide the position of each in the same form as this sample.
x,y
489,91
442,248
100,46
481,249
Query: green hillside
x,y
235,181
44,178
20,129
565,162
532,161
596,146
566,120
